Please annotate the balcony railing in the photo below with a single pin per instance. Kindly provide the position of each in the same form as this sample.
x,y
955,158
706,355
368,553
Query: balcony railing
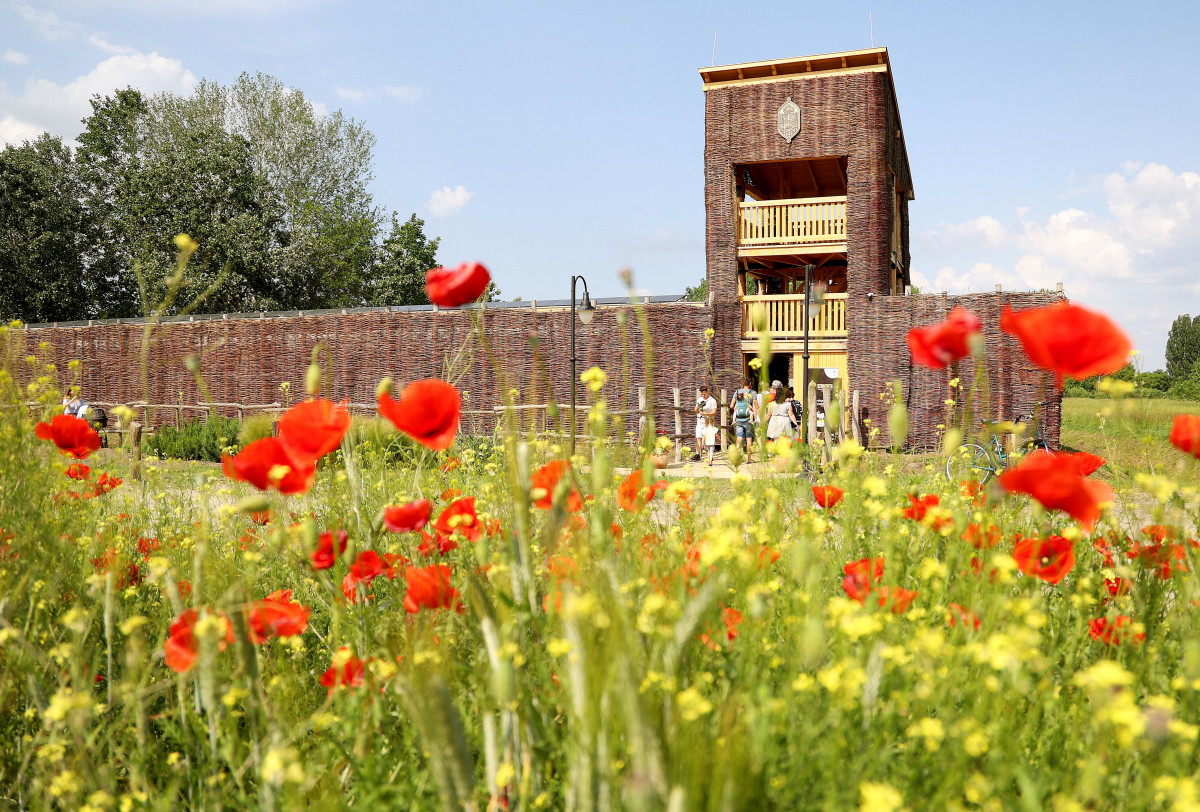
x,y
802,221
782,316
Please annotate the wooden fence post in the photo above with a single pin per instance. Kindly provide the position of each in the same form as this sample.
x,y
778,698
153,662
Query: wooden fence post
x,y
855,430
724,408
841,427
135,438
678,425
641,432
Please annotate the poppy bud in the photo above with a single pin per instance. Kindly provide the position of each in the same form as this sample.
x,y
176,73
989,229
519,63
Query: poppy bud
x,y
252,504
384,388
312,380
192,362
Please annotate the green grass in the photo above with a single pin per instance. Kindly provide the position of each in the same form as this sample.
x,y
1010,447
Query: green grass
x,y
1130,434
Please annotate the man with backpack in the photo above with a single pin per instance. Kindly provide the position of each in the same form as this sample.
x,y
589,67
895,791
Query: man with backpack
x,y
745,414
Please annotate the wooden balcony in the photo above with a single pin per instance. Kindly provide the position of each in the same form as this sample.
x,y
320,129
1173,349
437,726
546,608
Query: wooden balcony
x,y
766,226
782,316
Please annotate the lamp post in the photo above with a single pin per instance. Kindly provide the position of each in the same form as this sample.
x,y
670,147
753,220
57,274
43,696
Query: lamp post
x,y
586,311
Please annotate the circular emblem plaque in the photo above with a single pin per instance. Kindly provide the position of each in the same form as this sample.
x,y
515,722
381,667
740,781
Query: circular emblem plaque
x,y
789,120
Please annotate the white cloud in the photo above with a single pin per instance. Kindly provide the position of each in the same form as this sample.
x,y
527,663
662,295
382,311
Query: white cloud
x,y
15,57
1137,259
405,94
46,106
46,23
446,201
109,48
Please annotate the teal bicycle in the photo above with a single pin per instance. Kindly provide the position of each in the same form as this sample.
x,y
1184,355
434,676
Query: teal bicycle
x,y
972,461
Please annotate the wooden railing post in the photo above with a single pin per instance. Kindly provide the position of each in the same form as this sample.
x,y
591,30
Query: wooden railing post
x,y
678,425
641,432
135,449
855,430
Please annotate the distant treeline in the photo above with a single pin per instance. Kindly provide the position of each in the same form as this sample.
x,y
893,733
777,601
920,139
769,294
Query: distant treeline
x,y
274,193
1181,378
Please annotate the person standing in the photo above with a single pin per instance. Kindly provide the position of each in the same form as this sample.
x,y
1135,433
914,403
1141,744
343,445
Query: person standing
x,y
745,413
779,416
706,412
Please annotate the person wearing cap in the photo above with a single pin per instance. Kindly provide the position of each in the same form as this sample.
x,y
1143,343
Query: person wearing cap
x,y
75,405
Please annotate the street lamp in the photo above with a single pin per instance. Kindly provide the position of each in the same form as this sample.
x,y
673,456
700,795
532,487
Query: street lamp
x,y
586,311
812,306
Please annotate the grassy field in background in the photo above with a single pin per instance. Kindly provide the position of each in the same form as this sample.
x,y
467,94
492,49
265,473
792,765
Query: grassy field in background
x,y
1131,434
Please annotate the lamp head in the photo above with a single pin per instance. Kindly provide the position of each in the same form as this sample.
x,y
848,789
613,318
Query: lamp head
x,y
587,309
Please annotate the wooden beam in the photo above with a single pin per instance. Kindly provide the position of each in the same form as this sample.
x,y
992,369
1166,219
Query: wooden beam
x,y
813,175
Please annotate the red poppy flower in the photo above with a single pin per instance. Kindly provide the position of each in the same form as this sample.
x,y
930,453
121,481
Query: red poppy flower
x,y
349,673
732,618
126,573
79,471
260,516
1049,559
981,536
1167,559
429,588
312,429
103,484
267,463
72,435
1068,340
1185,434
827,495
1054,480
451,287
972,489
920,506
181,647
323,557
277,616
428,411
632,496
862,577
896,598
147,547
961,614
442,545
460,516
449,465
1160,532
546,479
1117,587
1111,634
941,344
562,567
184,586
366,568
407,518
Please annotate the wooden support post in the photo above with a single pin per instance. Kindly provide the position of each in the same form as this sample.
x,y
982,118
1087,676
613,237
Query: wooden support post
x,y
678,425
641,432
841,426
135,449
855,429
724,409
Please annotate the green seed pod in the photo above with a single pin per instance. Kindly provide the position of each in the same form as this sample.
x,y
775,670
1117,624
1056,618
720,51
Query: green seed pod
x,y
384,388
252,504
312,380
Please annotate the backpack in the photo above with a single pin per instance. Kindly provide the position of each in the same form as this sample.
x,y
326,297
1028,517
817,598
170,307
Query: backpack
x,y
97,418
798,410
741,411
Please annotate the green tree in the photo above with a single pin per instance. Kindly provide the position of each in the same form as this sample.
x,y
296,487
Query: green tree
x,y
319,167
1183,346
145,183
698,293
44,232
398,273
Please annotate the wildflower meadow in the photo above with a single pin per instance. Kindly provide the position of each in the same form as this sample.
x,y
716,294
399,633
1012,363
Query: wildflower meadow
x,y
411,618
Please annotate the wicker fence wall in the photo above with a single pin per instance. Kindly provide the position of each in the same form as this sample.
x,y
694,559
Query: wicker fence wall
x,y
244,360
878,354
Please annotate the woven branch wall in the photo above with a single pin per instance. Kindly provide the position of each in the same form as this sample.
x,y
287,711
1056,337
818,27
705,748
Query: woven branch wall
x,y
244,360
878,354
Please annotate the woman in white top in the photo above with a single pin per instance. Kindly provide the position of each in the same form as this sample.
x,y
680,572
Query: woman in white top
x,y
779,416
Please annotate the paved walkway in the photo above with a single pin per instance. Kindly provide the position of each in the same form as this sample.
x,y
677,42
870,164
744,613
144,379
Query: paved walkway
x,y
720,469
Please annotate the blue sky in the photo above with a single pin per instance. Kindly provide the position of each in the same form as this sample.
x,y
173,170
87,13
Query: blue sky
x,y
1049,141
